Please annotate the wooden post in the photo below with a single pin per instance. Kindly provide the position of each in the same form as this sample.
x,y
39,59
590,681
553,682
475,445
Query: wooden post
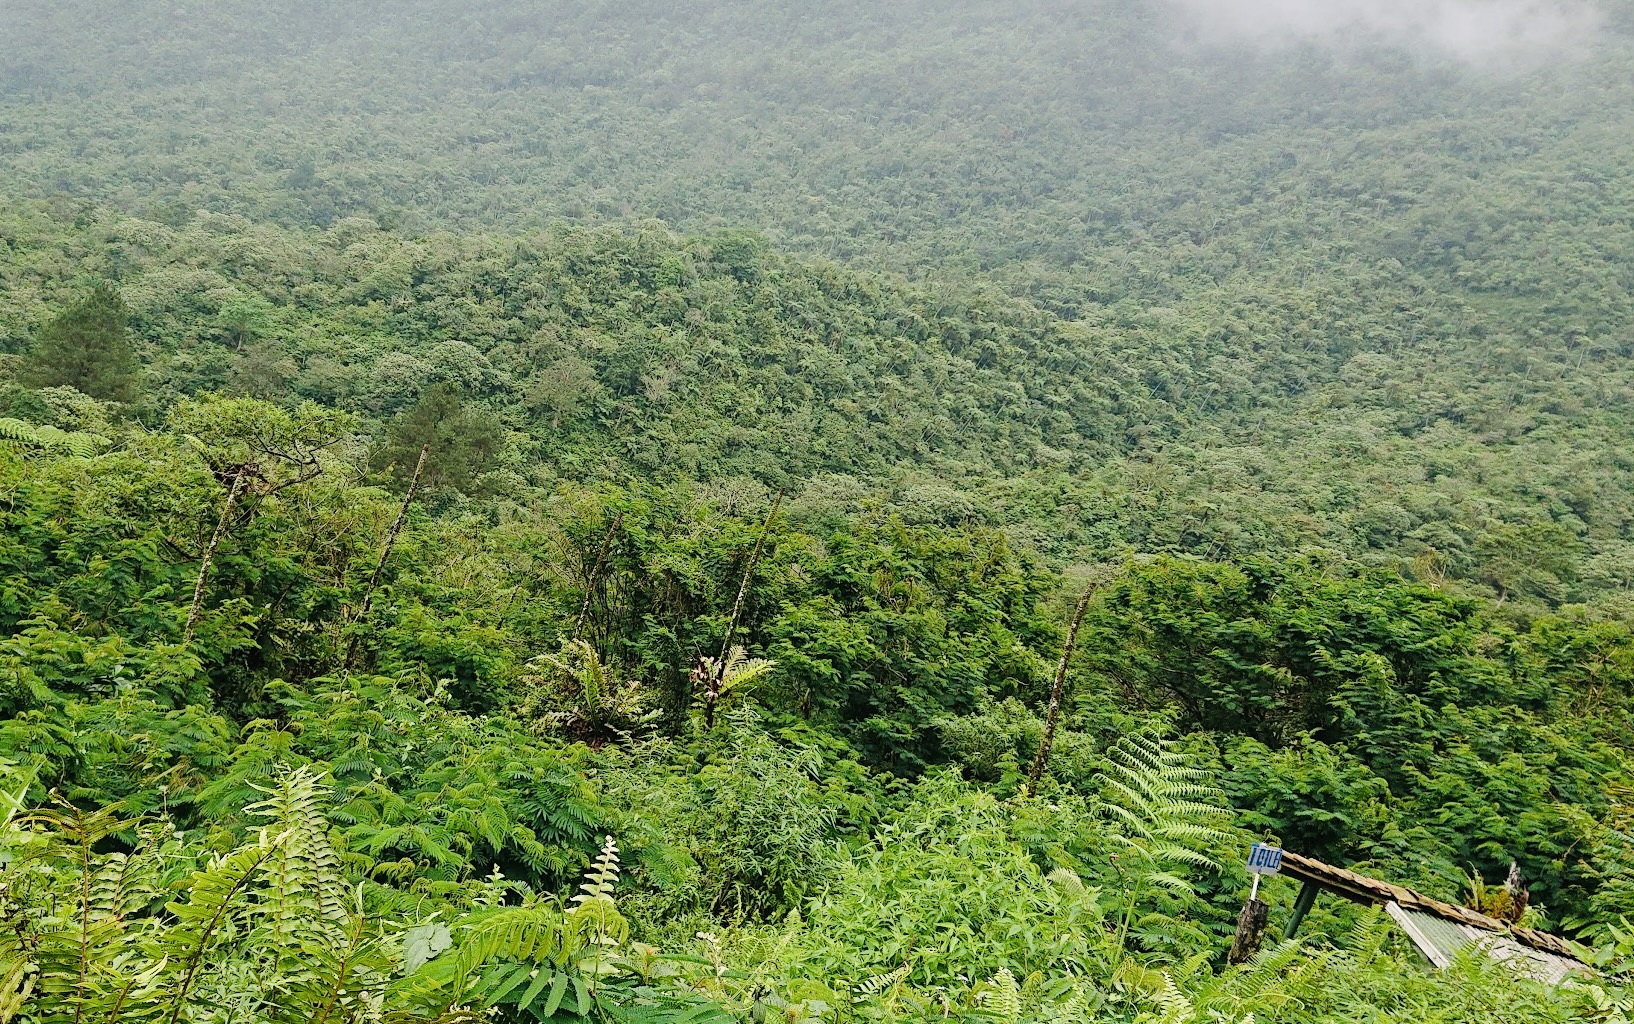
x,y
1250,930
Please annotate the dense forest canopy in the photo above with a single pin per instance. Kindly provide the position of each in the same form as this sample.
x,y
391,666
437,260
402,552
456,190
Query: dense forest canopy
x,y
706,512
599,353
1266,254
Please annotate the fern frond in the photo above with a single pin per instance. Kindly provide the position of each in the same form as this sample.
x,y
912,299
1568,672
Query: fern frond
x,y
22,436
600,880
1133,974
342,981
1001,997
1162,806
305,887
533,934
212,903
880,982
741,671
18,434
1066,880
17,978
70,954
1174,1006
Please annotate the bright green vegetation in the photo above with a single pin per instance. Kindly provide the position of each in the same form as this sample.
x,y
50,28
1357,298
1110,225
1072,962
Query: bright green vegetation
x,y
783,378
304,794
597,354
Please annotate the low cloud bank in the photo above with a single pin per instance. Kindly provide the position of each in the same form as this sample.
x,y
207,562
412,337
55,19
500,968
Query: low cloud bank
x,y
1472,29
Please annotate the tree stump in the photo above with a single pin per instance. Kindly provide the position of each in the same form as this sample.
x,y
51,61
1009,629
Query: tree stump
x,y
1250,930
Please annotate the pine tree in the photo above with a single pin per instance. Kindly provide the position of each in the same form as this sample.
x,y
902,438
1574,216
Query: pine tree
x,y
86,348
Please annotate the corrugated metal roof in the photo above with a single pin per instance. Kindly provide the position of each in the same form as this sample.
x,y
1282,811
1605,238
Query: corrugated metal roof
x,y
1440,940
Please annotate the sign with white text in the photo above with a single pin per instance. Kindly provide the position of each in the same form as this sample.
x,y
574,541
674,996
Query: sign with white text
x,y
1264,860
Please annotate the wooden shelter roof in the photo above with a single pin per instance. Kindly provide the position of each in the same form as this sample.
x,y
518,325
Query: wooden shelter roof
x,y
1362,889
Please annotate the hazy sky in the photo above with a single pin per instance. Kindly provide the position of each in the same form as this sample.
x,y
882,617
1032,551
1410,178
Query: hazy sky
x,y
1469,28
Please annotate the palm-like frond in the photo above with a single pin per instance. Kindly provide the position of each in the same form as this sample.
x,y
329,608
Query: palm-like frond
x,y
739,672
23,436
1162,805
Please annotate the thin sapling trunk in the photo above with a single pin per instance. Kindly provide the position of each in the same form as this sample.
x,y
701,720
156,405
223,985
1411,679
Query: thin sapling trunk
x,y
385,552
1053,715
209,556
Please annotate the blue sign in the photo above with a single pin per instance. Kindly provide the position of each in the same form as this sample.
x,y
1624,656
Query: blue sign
x,y
1264,860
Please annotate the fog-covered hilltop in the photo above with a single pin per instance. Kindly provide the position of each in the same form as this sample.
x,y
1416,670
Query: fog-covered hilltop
x,y
1150,148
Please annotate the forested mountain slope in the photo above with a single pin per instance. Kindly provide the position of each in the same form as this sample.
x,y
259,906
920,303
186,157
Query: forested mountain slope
x,y
1357,299
1075,148
720,512
1055,135
220,638
605,353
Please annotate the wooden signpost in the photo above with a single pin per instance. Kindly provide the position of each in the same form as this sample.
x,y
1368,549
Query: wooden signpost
x,y
1262,860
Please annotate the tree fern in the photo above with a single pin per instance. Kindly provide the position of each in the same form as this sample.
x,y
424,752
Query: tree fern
x,y
22,436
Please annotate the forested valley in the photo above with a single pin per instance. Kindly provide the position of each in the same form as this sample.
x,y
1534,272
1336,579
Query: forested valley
x,y
712,513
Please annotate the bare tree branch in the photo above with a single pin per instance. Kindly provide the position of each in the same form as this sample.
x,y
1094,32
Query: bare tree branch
x,y
1054,714
385,552
239,478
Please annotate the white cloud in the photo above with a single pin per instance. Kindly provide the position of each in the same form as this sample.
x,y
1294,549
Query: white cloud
x,y
1468,28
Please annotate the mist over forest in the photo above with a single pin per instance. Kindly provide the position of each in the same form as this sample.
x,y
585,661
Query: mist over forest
x,y
685,513
1479,31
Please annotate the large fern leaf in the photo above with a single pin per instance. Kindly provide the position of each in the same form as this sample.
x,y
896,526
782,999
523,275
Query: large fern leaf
x,y
23,436
215,897
1162,804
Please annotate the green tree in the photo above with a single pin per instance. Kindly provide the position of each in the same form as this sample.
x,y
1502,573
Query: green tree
x,y
255,450
463,439
86,347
